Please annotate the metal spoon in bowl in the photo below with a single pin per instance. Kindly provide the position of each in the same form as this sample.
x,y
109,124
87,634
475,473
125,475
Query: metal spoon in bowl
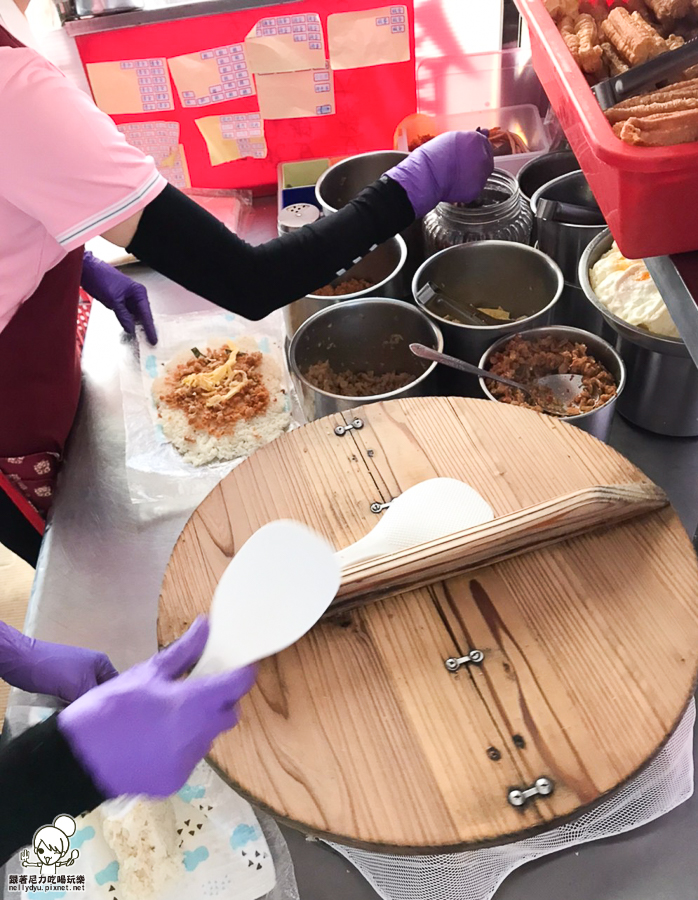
x,y
563,388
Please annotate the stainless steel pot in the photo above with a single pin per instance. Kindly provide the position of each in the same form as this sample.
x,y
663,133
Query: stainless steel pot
x,y
339,184
384,266
516,277
662,389
597,422
565,242
542,169
372,334
343,181
577,311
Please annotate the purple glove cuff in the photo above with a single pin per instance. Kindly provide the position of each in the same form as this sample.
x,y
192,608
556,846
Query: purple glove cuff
x,y
453,167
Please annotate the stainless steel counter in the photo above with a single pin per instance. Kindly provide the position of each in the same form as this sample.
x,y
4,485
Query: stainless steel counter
x,y
161,11
99,579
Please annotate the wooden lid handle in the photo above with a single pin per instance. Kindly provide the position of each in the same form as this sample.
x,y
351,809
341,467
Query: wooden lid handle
x,y
520,532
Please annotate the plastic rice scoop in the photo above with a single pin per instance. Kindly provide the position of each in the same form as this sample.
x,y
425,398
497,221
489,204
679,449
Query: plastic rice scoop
x,y
273,591
424,512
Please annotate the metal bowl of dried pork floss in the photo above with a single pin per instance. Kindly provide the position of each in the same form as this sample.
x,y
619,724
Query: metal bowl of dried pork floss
x,y
662,390
550,343
379,272
358,352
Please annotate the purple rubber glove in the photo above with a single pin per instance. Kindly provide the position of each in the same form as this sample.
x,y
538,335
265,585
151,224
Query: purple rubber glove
x,y
452,167
144,732
127,298
57,669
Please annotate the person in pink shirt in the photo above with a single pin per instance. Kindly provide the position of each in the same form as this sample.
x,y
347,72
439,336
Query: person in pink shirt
x,y
67,175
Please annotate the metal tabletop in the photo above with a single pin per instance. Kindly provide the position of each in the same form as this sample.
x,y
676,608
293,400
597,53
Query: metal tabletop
x,y
99,577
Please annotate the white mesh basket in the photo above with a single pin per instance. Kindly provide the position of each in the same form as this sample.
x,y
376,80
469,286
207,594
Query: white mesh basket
x,y
476,874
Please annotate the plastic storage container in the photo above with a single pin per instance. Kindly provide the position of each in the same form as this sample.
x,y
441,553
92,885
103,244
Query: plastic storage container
x,y
647,195
508,217
522,120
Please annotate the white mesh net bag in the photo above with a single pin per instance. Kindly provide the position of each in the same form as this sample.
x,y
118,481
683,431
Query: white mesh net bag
x,y
476,874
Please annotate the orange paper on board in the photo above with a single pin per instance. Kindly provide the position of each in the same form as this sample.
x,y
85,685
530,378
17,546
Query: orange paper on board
x,y
286,44
130,86
212,76
372,37
233,137
161,141
294,95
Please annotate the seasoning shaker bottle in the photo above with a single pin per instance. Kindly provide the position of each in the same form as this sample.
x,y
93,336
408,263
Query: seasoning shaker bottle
x,y
293,217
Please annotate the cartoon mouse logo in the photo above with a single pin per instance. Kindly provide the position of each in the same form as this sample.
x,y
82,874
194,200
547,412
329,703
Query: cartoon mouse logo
x,y
51,845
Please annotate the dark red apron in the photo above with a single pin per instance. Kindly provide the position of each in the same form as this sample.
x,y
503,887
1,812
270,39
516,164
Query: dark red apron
x,y
39,382
39,388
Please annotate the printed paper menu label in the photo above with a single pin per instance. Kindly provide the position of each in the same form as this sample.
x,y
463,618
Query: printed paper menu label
x,y
293,95
286,44
372,37
233,137
212,76
130,86
161,141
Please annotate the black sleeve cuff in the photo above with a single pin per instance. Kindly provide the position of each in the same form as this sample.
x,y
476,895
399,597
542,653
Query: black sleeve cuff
x,y
184,242
39,780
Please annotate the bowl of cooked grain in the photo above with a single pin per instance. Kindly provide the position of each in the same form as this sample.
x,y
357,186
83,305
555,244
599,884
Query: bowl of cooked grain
x,y
358,352
380,272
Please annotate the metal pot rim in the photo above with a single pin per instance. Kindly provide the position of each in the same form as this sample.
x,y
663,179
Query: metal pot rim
x,y
546,329
381,284
553,181
505,325
318,185
656,342
361,302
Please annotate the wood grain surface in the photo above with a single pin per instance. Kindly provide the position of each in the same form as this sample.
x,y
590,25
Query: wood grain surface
x,y
359,732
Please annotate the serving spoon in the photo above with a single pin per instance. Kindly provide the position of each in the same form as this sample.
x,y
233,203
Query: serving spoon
x,y
563,388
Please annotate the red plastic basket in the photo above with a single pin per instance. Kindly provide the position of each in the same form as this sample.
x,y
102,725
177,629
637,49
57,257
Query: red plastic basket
x,y
647,194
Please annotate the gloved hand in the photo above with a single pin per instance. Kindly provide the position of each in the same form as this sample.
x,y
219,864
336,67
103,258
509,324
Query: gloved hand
x,y
43,668
144,732
127,298
452,167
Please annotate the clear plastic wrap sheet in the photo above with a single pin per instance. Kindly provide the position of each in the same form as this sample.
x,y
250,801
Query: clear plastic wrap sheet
x,y
476,874
159,479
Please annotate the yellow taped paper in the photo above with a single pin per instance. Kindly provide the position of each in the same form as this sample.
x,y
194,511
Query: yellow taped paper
x,y
161,141
130,86
233,137
372,37
294,95
212,76
286,44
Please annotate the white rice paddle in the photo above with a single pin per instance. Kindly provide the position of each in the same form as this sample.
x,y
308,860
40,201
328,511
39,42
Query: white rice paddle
x,y
428,510
273,591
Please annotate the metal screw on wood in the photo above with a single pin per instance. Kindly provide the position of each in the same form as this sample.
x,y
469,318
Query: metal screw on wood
x,y
454,663
356,424
519,797
379,507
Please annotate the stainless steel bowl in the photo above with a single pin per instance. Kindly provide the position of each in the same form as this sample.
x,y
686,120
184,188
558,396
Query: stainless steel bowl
x,y
384,266
340,184
359,336
597,422
542,169
516,277
564,242
662,391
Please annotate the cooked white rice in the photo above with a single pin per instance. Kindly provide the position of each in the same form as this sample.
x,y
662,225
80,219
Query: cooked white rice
x,y
201,448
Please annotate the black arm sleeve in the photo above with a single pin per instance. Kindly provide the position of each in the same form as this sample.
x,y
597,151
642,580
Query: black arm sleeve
x,y
39,780
181,240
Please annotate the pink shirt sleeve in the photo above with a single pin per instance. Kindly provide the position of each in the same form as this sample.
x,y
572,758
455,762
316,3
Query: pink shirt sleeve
x,y
64,162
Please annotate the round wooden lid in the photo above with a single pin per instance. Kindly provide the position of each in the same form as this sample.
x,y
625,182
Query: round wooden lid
x,y
359,732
